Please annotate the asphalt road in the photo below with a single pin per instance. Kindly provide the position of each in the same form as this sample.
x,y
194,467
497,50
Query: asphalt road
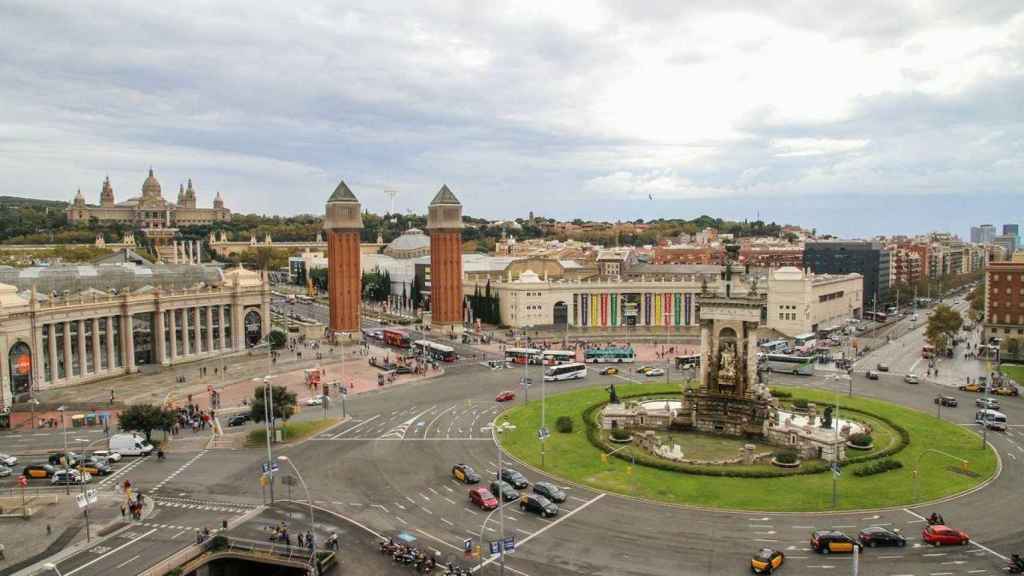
x,y
388,469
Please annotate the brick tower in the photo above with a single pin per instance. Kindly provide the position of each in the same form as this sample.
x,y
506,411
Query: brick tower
x,y
444,223
343,223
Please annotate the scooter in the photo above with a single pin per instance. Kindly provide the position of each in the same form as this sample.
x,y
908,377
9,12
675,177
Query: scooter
x,y
1015,565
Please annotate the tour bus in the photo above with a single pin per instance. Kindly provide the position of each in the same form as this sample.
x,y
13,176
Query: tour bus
x,y
775,346
565,372
992,419
397,338
687,361
803,365
805,341
876,316
434,350
522,355
556,357
609,355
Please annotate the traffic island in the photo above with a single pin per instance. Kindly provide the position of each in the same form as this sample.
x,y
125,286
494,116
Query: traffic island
x,y
914,439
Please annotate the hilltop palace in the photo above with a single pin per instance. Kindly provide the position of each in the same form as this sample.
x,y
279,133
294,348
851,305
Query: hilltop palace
x,y
149,210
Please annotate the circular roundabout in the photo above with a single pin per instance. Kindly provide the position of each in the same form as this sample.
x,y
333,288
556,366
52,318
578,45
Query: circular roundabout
x,y
909,457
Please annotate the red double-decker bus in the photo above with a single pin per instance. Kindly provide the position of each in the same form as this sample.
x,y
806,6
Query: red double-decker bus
x,y
397,338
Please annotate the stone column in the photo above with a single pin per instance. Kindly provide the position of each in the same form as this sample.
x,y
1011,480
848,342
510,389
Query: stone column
x,y
185,349
705,352
159,341
209,328
128,341
175,251
111,358
224,345
96,364
52,345
82,365
197,335
174,335
237,327
68,372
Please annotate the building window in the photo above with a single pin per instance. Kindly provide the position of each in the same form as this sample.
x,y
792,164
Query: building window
x,y
179,344
204,330
167,334
216,328
90,354
47,377
76,361
103,352
227,327
115,323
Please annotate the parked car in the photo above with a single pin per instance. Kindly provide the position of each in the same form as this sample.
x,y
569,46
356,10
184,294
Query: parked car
x,y
912,379
239,419
315,400
538,504
949,401
881,536
482,498
655,372
63,477
766,561
505,396
882,367
989,403
8,460
549,491
940,534
829,541
871,375
464,473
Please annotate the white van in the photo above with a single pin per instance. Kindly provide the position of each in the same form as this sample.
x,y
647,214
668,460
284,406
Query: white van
x,y
992,419
130,444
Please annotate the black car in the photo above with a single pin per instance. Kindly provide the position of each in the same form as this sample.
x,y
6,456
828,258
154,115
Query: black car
x,y
504,490
239,419
517,480
831,541
57,459
880,536
538,504
949,401
549,491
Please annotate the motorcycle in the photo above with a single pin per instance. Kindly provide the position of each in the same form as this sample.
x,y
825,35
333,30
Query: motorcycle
x,y
936,519
1015,565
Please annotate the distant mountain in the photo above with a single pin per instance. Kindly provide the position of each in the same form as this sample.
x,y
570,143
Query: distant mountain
x,y
16,201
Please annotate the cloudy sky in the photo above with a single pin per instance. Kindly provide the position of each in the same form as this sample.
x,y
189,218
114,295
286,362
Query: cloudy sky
x,y
856,118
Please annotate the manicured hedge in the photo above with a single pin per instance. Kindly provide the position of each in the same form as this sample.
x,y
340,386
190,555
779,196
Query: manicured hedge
x,y
595,437
564,424
877,467
860,439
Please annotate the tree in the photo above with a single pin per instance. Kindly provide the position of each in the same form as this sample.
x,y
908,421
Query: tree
x,y
283,400
943,325
277,339
145,418
977,299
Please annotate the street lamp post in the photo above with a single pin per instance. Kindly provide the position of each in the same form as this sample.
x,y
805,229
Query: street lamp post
x,y
81,472
64,428
309,498
499,429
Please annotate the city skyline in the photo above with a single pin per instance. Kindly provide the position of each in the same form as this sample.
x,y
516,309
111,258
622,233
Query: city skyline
x,y
596,112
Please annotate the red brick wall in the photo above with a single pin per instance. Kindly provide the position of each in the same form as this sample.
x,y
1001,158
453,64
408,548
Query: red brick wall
x,y
445,277
345,280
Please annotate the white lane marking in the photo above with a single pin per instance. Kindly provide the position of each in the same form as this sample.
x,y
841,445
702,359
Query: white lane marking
x,y
578,499
803,527
990,551
844,526
424,496
411,501
527,532
343,432
889,557
427,511
118,549
441,413
432,491
128,561
933,555
470,511
447,522
914,514
450,501
178,534
544,529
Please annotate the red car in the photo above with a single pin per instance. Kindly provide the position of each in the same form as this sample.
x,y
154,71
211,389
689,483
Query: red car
x,y
483,498
939,534
506,396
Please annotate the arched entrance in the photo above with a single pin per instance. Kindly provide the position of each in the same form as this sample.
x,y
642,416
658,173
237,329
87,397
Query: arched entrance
x,y
253,326
561,312
19,362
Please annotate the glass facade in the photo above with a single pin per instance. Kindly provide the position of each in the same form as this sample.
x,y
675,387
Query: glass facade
x,y
142,338
104,352
47,376
118,349
204,330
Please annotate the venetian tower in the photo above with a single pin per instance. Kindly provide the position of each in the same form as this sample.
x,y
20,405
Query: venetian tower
x,y
444,223
343,223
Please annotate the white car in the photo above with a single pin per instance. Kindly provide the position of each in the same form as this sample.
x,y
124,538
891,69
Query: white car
x,y
315,400
8,460
4,471
111,455
912,379
655,372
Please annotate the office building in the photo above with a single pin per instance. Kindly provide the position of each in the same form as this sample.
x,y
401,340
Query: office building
x,y
864,257
983,234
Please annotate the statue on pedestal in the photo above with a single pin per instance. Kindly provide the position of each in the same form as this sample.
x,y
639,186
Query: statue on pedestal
x,y
826,418
613,397
727,363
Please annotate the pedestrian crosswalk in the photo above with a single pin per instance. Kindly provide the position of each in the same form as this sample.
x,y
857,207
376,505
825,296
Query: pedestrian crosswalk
x,y
207,505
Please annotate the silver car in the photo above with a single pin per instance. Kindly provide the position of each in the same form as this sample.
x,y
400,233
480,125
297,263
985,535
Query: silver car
x,y
4,471
8,460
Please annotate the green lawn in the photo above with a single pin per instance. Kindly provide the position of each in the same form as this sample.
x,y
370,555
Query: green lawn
x,y
292,431
571,456
1013,371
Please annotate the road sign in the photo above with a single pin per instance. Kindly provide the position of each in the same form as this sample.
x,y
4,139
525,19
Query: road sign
x,y
543,434
269,467
509,544
91,496
835,470
81,501
467,545
494,547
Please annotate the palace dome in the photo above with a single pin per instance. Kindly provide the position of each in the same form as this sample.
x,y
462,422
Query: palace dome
x,y
151,187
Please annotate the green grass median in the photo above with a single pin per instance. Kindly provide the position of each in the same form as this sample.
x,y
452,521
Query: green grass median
x,y
571,456
292,431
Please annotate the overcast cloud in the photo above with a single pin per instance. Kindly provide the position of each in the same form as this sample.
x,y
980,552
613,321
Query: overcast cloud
x,y
852,117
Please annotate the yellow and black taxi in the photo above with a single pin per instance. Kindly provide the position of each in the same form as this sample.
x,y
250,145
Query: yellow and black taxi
x,y
94,466
464,473
609,370
766,561
38,471
833,541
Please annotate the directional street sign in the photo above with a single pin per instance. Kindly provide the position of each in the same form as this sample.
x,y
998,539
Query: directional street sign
x,y
467,545
509,544
269,467
494,547
543,434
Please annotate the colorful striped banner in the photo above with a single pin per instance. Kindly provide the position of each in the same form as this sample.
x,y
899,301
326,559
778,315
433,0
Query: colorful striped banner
x,y
677,299
688,298
584,318
615,309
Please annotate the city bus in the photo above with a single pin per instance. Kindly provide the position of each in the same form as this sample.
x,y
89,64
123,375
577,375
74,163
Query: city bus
x,y
803,365
435,351
775,346
687,361
805,339
992,419
522,355
556,357
876,316
397,338
609,355
565,372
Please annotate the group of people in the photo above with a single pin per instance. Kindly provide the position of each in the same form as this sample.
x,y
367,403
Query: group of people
x,y
280,533
133,504
191,416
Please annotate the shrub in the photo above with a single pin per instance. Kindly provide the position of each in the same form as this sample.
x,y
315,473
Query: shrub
x,y
786,456
861,439
620,433
564,424
877,467
800,404
780,394
218,542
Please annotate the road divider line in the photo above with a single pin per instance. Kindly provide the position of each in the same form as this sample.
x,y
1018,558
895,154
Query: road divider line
x,y
114,551
347,430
